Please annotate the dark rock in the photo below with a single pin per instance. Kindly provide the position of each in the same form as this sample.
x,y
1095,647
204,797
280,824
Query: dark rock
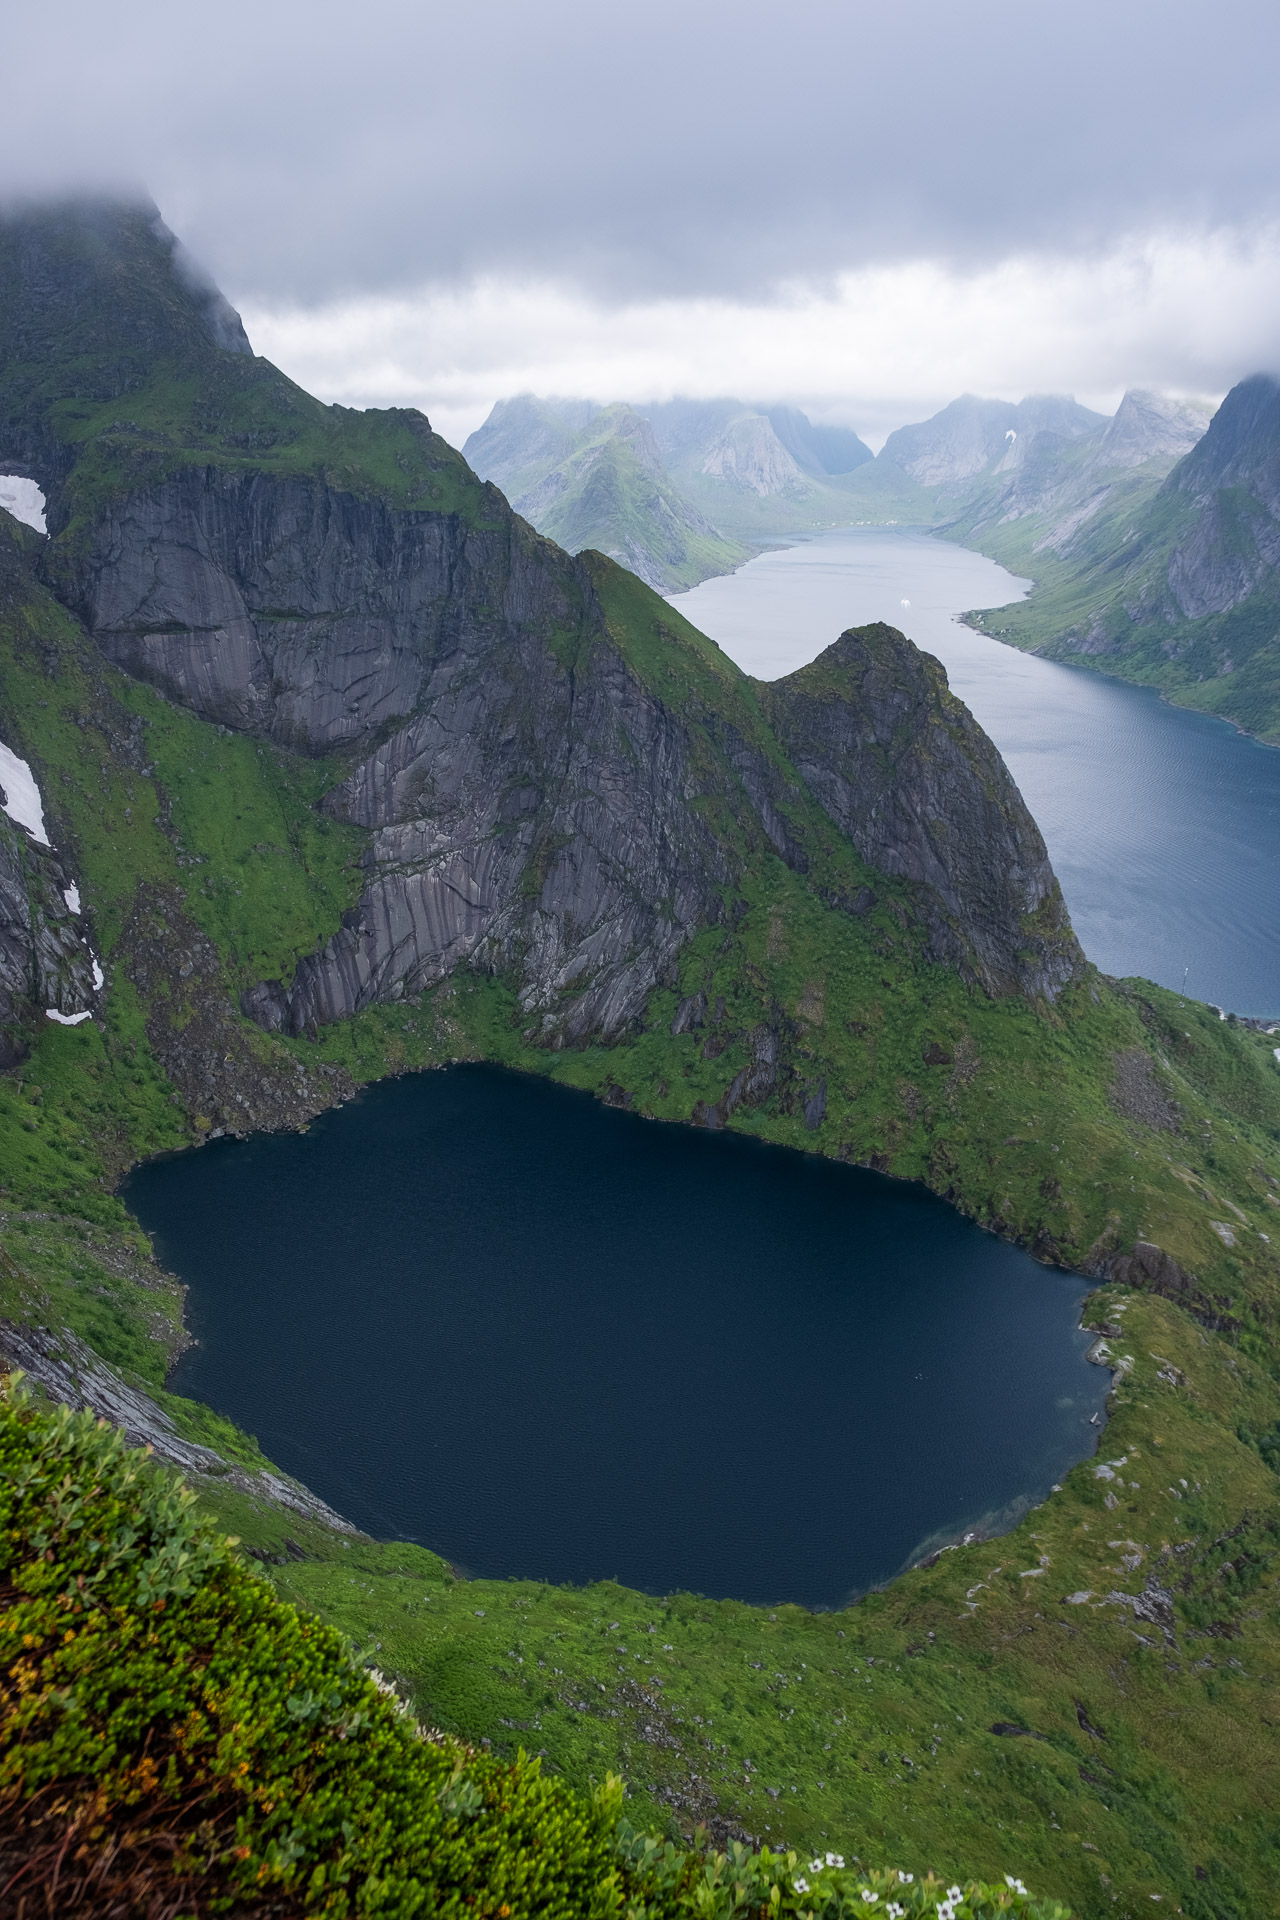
x,y
936,1056
1007,1728
815,1107
690,1014
1137,1093
904,771
44,959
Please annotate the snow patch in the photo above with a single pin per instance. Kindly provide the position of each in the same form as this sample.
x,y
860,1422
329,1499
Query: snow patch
x,y
71,895
66,1019
98,975
21,795
24,500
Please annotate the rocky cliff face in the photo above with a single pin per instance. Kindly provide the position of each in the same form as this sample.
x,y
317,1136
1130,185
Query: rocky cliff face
x,y
284,606
44,961
1231,481
907,774
972,435
537,771
534,818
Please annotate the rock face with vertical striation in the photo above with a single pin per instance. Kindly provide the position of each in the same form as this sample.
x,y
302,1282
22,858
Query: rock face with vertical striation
x,y
44,961
559,781
904,771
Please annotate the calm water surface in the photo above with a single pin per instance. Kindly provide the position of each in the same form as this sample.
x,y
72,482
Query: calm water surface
x,y
1163,825
547,1338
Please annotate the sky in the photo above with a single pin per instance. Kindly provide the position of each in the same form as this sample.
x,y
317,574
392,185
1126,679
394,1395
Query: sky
x,y
862,209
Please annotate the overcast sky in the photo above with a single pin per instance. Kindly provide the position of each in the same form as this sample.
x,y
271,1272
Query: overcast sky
x,y
863,208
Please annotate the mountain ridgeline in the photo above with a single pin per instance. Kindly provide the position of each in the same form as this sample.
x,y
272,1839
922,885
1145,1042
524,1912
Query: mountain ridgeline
x,y
676,491
558,780
1176,582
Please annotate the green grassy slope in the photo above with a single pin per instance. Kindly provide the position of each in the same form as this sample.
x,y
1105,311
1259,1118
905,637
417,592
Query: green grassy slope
x,y
174,1739
613,499
1012,1110
1104,605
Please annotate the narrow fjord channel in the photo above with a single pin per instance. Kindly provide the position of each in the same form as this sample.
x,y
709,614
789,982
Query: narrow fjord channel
x,y
1163,825
550,1339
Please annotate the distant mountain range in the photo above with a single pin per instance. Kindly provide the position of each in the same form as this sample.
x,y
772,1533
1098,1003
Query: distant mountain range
x,y
1153,536
684,489
1164,570
676,492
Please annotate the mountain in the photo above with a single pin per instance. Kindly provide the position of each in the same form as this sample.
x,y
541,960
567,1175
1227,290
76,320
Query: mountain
x,y
973,437
676,491
1176,584
589,476
820,451
342,770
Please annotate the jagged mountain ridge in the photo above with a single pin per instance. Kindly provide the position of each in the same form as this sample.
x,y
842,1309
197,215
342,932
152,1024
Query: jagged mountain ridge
x,y
676,491
607,488
808,1013
536,799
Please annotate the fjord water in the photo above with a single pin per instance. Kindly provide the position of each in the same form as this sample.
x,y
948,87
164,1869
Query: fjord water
x,y
1163,825
546,1338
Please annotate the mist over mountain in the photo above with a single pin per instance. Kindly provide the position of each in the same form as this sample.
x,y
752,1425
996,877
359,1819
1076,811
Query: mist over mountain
x,y
676,491
1167,570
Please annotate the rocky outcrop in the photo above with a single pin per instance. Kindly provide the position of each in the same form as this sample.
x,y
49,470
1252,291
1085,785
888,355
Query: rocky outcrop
x,y
533,820
72,1375
906,773
972,435
44,961
280,605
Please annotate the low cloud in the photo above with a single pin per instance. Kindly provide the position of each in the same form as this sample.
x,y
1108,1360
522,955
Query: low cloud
x,y
691,148
1183,312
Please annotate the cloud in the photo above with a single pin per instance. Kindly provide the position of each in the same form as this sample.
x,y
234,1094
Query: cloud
x,y
1183,312
710,149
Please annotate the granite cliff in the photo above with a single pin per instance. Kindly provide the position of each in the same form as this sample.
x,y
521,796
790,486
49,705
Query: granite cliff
x,y
536,802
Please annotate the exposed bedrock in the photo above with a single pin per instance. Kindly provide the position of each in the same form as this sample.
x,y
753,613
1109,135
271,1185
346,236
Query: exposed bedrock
x,y
285,607
534,807
44,961
530,819
905,771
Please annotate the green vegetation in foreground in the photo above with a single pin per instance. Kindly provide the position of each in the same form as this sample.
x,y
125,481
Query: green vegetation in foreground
x,y
170,1732
1146,1763
1090,1701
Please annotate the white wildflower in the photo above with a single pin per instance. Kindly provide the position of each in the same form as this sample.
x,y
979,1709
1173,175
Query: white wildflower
x,y
815,1866
835,1859
953,1893
894,1911
906,1878
869,1897
801,1884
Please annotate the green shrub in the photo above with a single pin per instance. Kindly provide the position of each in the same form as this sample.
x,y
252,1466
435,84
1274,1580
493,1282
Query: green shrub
x,y
175,1739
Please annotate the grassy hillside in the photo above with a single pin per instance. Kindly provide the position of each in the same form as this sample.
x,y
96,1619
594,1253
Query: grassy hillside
x,y
225,1752
1106,597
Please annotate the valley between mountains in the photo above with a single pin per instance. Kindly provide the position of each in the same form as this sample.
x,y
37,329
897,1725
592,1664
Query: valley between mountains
x,y
346,771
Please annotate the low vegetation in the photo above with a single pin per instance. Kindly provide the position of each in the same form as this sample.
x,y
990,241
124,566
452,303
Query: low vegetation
x,y
174,1738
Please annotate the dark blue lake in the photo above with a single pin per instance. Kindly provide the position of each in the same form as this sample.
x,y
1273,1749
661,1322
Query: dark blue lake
x,y
547,1338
